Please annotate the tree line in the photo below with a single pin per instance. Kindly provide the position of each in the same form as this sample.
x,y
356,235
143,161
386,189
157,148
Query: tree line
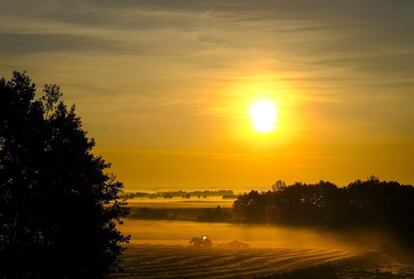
x,y
367,204
225,194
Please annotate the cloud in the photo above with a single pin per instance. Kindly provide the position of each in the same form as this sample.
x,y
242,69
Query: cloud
x,y
24,43
167,74
211,40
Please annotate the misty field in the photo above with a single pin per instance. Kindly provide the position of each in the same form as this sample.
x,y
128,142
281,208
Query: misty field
x,y
209,202
160,248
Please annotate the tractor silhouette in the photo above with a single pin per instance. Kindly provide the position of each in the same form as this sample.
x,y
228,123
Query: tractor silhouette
x,y
203,241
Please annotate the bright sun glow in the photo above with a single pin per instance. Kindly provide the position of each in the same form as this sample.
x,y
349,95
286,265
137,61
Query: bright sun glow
x,y
263,114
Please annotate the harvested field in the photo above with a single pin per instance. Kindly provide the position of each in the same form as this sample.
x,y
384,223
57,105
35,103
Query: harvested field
x,y
160,249
177,261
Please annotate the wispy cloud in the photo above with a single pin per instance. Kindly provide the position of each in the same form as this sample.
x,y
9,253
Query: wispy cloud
x,y
163,74
24,43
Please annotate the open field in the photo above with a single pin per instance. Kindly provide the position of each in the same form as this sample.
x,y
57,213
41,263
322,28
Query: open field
x,y
192,209
177,261
210,202
160,249
180,232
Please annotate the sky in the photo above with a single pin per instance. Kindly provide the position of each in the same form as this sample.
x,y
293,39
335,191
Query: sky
x,y
165,86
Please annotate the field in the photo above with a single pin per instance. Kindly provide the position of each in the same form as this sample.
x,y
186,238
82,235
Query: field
x,y
177,261
209,202
160,249
192,209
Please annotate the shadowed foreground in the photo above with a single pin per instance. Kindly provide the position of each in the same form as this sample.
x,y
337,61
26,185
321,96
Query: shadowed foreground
x,y
177,261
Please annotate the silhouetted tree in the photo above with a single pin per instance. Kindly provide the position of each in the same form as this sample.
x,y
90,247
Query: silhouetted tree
x,y
370,204
58,206
279,185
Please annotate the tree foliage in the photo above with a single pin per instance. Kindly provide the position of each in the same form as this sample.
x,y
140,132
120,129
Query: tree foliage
x,y
370,204
58,205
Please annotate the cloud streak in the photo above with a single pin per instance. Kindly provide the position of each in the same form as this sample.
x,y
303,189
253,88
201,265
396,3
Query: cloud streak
x,y
164,74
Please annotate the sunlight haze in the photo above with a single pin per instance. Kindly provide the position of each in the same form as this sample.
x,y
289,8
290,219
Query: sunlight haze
x,y
168,88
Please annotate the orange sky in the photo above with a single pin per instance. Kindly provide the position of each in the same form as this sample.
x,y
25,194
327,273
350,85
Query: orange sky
x,y
165,86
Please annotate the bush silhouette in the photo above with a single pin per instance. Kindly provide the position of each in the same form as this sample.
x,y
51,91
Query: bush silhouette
x,y
58,206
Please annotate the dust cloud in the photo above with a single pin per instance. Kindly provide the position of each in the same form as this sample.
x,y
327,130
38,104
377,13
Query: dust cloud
x,y
180,232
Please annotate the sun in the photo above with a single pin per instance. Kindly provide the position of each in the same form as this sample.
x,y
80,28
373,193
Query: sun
x,y
263,114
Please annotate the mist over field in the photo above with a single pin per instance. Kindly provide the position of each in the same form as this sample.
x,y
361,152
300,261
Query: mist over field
x,y
180,232
161,248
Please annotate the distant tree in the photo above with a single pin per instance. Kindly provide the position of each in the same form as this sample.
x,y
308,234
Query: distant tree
x,y
58,206
278,186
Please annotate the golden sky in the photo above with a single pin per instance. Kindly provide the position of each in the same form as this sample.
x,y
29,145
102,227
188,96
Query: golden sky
x,y
165,86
